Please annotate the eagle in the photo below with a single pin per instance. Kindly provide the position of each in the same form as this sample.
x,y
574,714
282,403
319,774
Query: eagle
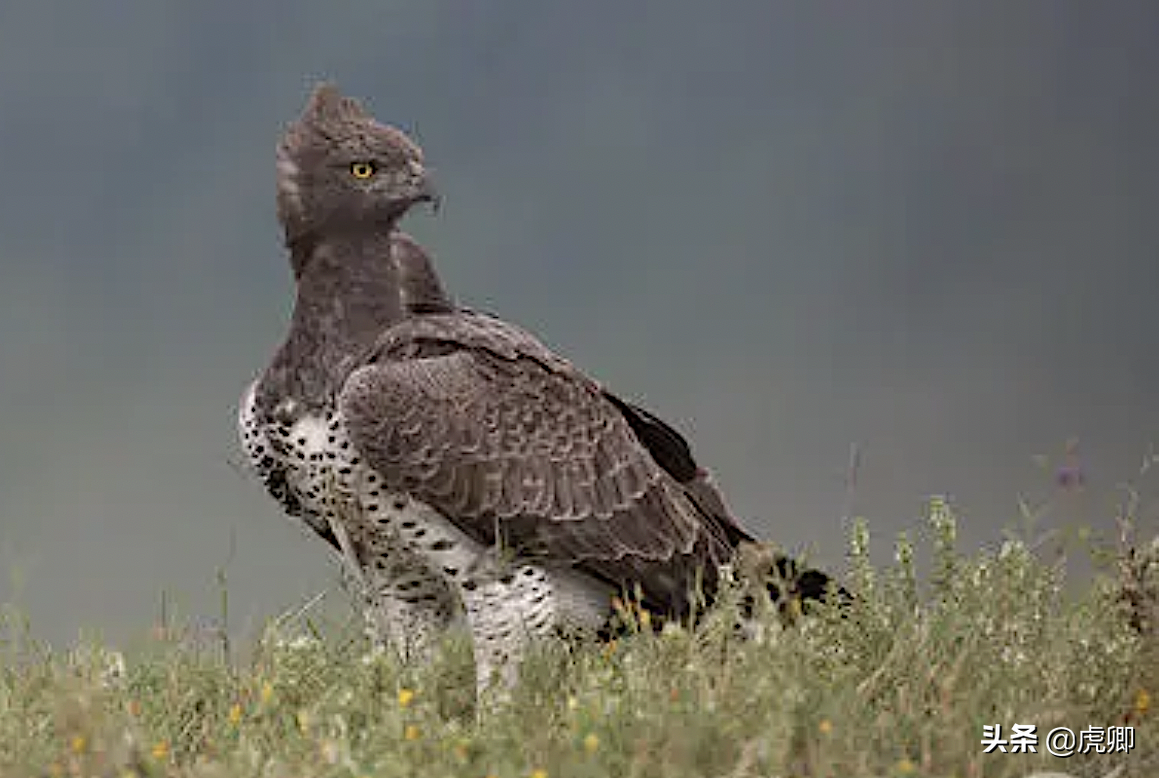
x,y
462,470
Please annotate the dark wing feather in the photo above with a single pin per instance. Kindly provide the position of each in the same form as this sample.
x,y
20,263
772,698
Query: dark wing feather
x,y
478,419
672,452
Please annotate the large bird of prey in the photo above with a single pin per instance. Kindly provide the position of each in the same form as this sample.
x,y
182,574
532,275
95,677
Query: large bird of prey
x,y
459,466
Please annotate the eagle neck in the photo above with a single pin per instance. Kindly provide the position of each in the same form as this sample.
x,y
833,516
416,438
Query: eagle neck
x,y
347,294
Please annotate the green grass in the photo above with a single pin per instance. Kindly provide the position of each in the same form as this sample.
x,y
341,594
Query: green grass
x,y
900,685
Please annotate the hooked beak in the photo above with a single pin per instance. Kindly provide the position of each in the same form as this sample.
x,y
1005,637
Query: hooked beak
x,y
426,192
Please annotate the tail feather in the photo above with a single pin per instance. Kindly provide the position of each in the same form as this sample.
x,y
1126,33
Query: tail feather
x,y
767,578
786,582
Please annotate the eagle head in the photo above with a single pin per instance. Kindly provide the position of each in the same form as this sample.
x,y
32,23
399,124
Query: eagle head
x,y
338,170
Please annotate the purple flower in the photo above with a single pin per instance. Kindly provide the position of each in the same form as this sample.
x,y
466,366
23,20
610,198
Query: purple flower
x,y
1070,475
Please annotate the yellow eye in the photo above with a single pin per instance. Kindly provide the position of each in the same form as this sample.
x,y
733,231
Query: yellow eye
x,y
362,169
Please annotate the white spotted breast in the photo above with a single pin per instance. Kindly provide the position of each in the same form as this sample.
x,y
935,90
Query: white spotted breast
x,y
305,464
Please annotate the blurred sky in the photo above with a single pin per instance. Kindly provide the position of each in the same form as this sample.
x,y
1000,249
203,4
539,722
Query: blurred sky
x,y
929,228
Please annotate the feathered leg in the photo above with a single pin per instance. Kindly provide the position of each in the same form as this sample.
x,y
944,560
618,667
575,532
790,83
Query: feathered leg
x,y
506,612
512,605
405,606
406,613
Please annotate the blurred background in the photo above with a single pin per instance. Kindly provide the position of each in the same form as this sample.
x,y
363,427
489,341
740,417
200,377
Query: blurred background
x,y
927,229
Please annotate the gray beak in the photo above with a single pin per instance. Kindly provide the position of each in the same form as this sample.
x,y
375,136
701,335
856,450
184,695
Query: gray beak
x,y
427,192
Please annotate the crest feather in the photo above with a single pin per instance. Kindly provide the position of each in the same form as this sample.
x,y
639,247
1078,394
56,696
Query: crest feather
x,y
328,107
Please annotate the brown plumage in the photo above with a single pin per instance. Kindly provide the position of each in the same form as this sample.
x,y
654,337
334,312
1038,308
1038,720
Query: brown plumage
x,y
478,419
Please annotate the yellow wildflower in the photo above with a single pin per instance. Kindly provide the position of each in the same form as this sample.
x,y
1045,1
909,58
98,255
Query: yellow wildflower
x,y
78,744
462,752
825,726
905,766
538,774
331,752
591,742
405,697
235,714
161,750
411,732
1142,702
267,692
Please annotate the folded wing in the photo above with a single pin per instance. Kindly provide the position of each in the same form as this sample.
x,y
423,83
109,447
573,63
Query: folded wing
x,y
479,420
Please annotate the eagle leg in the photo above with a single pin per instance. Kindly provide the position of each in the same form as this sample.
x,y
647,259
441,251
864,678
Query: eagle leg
x,y
403,607
519,605
507,612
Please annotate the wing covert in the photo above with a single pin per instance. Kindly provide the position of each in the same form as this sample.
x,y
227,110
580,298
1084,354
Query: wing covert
x,y
499,437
